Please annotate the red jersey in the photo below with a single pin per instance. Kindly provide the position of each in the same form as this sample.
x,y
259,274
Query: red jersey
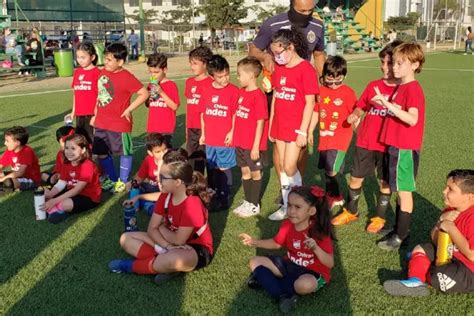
x,y
369,130
86,172
218,107
252,106
401,135
26,156
115,92
334,107
297,252
59,161
149,170
291,86
193,90
161,118
189,213
84,84
465,223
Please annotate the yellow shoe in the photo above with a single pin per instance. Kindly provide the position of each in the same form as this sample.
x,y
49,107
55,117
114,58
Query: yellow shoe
x,y
376,225
345,217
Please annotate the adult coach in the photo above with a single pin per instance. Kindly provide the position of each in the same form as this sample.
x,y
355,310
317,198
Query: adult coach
x,y
299,16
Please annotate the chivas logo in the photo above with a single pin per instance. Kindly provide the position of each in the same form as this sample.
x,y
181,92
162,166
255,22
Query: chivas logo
x,y
296,243
283,81
193,89
215,98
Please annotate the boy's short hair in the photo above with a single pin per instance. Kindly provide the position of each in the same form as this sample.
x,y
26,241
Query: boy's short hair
x,y
251,65
18,133
388,49
175,155
154,140
335,66
411,51
203,54
464,179
63,132
217,64
118,50
158,60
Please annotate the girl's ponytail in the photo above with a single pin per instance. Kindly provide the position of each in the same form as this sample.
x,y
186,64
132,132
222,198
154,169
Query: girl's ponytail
x,y
198,187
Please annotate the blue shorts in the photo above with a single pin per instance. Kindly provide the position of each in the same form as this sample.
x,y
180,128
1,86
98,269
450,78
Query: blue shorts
x,y
220,157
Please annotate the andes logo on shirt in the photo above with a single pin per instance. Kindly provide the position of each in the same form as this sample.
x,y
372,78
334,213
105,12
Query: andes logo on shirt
x,y
160,103
287,94
302,259
242,112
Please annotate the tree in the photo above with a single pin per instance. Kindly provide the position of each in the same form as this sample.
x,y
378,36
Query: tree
x,y
148,15
221,13
441,5
402,23
180,18
263,14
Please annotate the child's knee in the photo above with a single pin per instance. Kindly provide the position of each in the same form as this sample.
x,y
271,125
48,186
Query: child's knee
x,y
256,175
123,239
254,262
246,174
305,284
419,248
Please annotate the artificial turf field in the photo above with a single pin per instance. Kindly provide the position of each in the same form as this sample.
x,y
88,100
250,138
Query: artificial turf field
x,y
62,269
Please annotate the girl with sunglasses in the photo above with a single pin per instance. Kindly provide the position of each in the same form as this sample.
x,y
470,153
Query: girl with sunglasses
x,y
295,87
178,238
336,102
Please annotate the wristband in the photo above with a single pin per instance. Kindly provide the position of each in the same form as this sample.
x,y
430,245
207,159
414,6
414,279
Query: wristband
x,y
299,132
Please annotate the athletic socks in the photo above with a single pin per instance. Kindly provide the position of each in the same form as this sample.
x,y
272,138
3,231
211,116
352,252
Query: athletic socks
x,y
125,167
383,202
146,251
285,187
418,266
255,192
107,165
332,186
247,185
144,266
354,196
295,180
403,224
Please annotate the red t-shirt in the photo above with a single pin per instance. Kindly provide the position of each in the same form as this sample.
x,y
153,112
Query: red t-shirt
x,y
149,170
59,161
189,213
218,107
161,118
297,252
252,106
291,86
87,172
369,130
115,92
84,84
465,223
193,90
26,156
334,107
401,135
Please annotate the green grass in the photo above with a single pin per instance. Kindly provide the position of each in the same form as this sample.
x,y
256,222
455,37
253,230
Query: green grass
x,y
62,269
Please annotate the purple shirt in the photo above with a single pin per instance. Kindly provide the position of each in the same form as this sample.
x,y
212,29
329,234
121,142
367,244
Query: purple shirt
x,y
314,33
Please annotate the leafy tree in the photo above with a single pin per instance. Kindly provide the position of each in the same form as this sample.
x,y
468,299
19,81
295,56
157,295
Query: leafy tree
x,y
221,13
265,13
148,15
180,17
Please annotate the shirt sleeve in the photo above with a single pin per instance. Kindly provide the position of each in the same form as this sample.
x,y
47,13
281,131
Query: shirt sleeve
x,y
3,160
310,82
415,97
58,162
325,244
86,172
160,205
74,79
133,83
352,101
264,36
27,157
143,171
319,47
261,108
174,93
280,237
234,101
364,102
186,89
193,213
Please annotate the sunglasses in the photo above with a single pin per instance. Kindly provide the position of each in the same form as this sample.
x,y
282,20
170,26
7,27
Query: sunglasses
x,y
163,177
333,82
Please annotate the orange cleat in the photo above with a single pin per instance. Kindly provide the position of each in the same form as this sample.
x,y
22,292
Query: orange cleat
x,y
376,225
345,217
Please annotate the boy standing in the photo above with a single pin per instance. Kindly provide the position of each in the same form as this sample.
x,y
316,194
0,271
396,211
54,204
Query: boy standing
x,y
217,125
402,133
113,117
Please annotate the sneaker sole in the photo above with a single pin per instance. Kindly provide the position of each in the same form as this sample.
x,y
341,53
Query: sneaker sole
x,y
395,288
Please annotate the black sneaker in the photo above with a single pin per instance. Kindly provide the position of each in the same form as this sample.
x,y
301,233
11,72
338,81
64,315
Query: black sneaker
x,y
288,303
165,277
392,243
57,217
253,283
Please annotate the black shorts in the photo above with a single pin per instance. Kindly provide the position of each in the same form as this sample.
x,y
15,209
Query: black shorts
x,y
82,203
453,277
193,148
109,142
332,160
401,169
204,257
84,122
365,162
244,160
49,175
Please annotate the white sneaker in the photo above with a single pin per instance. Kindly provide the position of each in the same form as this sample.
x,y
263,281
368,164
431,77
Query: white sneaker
x,y
279,215
241,207
250,210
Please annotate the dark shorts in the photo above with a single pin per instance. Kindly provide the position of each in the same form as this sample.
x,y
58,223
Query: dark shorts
x,y
26,184
292,271
332,160
204,256
220,157
244,160
49,175
84,122
82,203
453,277
401,169
146,187
192,145
366,162
109,142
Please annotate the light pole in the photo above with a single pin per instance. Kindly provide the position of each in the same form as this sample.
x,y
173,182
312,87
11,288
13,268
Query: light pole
x,y
192,20
142,30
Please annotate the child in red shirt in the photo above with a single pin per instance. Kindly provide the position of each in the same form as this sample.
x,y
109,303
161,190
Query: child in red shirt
x,y
307,236
164,99
25,171
217,109
402,133
250,135
336,102
193,91
457,221
178,238
84,84
369,151
78,188
113,117
51,178
295,88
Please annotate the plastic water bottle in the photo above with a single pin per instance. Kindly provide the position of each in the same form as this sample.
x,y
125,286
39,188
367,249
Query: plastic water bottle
x,y
68,120
39,202
134,191
129,217
154,95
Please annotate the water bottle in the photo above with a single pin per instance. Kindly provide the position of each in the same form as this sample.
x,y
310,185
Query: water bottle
x,y
444,249
134,191
68,120
39,202
154,95
129,217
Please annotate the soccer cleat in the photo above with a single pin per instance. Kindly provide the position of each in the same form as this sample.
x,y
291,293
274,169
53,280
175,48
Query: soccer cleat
x,y
121,266
165,277
241,207
345,217
376,225
334,201
107,184
57,217
279,214
250,211
409,287
253,283
286,304
119,186
392,242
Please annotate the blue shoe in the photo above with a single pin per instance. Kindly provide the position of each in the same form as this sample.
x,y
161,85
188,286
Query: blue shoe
x,y
57,217
408,287
121,266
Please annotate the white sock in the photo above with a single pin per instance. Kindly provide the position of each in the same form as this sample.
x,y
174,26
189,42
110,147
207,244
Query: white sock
x,y
295,180
285,187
